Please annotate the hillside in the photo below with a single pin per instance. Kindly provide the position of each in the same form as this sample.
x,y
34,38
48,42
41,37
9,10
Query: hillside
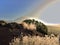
x,y
27,28
55,29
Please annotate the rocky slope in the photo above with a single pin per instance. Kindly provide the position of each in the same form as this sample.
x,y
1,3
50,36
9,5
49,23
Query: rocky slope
x,y
10,30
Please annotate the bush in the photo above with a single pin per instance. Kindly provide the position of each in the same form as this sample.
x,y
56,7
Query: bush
x,y
36,40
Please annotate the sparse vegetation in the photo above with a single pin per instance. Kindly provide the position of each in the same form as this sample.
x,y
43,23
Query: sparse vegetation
x,y
36,40
31,32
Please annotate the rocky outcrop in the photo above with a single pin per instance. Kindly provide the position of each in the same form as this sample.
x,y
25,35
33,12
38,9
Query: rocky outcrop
x,y
10,30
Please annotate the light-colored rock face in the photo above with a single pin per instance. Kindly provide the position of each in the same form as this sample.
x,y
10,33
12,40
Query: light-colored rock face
x,y
29,26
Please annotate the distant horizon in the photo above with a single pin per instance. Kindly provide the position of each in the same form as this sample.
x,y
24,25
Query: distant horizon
x,y
46,23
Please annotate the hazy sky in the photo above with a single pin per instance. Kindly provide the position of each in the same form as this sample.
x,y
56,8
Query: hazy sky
x,y
13,9
52,13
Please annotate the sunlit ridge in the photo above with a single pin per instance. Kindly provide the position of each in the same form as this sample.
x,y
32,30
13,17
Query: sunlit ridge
x,y
44,22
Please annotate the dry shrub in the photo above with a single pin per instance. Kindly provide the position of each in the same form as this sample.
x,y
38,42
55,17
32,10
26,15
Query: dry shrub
x,y
37,40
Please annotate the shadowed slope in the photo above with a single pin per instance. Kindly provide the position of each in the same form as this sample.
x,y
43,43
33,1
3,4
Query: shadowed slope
x,y
10,30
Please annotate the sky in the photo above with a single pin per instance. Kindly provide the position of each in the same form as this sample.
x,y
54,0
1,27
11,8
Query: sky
x,y
13,9
52,13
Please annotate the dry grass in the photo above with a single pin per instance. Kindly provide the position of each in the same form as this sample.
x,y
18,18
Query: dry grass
x,y
37,40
